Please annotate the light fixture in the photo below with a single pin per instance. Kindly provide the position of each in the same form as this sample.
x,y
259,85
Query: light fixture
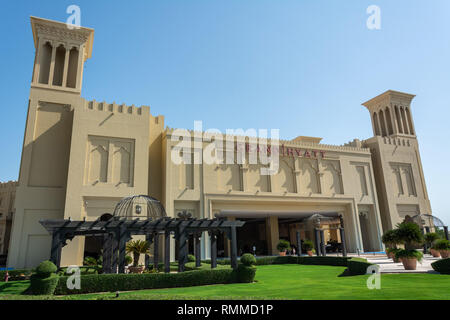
x,y
138,209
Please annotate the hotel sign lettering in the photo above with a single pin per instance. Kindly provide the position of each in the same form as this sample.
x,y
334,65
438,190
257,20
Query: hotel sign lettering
x,y
283,151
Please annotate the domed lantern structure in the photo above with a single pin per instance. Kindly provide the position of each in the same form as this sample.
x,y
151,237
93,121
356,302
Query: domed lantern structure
x,y
427,220
139,207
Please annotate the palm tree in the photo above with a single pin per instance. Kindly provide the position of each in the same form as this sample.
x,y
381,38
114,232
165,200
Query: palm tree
x,y
137,247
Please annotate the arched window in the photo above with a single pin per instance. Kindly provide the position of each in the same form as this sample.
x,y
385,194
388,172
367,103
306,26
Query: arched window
x,y
72,69
405,126
44,68
58,71
382,123
399,122
408,115
389,121
375,123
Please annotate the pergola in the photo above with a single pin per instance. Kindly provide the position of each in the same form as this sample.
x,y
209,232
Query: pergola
x,y
117,231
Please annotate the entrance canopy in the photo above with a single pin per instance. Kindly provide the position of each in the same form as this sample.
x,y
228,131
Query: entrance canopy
x,y
280,214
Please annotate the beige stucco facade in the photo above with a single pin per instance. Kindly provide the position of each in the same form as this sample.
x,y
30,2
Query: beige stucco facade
x,y
7,197
81,157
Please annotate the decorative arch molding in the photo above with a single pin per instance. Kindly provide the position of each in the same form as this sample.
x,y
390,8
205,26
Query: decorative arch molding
x,y
332,177
309,176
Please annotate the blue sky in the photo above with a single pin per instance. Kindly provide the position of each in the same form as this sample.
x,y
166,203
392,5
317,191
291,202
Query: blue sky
x,y
302,66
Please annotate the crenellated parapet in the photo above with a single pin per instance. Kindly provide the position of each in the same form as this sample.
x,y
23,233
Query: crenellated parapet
x,y
288,143
8,184
94,105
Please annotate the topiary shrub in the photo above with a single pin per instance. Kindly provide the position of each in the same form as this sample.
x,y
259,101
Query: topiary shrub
x,y
44,281
191,258
128,260
248,259
245,274
442,266
43,286
45,269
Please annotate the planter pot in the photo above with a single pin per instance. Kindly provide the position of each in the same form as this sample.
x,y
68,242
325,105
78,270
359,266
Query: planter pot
x,y
390,255
444,253
409,263
435,253
396,260
310,253
136,269
283,253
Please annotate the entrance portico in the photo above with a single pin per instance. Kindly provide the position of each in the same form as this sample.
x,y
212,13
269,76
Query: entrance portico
x,y
267,222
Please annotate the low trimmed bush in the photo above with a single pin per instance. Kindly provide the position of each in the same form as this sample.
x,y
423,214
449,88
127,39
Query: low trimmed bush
x,y
442,266
128,282
191,258
357,266
324,261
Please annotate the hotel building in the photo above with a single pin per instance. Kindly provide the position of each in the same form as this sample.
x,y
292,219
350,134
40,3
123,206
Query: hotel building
x,y
81,157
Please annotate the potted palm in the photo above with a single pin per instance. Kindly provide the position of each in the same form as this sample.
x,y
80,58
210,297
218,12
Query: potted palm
x,y
136,248
390,240
282,246
410,235
430,238
443,246
307,246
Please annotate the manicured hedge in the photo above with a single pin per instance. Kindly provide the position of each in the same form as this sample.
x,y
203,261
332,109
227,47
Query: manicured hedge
x,y
442,266
324,261
128,282
16,274
315,260
356,266
84,270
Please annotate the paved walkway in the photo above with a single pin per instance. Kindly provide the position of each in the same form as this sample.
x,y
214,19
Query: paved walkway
x,y
388,266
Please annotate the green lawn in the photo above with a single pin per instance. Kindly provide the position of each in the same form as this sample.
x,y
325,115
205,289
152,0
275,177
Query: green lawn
x,y
287,282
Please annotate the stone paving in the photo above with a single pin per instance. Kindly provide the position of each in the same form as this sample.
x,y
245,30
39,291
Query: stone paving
x,y
388,266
